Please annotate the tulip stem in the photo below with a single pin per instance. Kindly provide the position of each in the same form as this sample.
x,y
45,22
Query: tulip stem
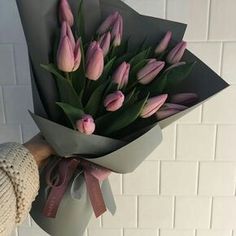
x,y
67,74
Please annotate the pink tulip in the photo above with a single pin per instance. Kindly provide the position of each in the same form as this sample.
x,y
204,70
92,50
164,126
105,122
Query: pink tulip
x,y
162,46
176,54
69,52
94,61
86,125
105,42
121,75
153,105
65,13
108,23
117,31
169,109
114,101
184,98
113,23
150,71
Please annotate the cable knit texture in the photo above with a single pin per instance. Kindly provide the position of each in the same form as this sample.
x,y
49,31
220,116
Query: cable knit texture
x,y
19,184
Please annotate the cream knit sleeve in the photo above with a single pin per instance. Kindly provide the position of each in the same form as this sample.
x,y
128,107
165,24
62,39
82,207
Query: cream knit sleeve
x,y
19,183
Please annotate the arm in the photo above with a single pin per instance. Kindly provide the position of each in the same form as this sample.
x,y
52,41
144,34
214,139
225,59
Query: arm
x,y
19,180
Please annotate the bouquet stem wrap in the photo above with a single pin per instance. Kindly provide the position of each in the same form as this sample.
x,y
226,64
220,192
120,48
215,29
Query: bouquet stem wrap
x,y
65,169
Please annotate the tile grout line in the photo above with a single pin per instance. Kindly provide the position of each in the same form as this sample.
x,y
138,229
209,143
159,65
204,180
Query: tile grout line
x,y
3,106
137,211
14,64
208,20
159,182
174,213
221,58
198,178
211,213
215,142
175,141
165,9
21,133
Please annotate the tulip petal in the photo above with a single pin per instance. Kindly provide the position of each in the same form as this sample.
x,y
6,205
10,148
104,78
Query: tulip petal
x,y
65,13
153,105
162,46
65,56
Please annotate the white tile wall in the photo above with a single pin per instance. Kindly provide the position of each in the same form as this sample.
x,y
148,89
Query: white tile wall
x,y
188,185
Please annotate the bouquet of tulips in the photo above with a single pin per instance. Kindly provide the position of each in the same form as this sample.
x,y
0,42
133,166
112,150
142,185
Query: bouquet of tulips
x,y
109,81
108,90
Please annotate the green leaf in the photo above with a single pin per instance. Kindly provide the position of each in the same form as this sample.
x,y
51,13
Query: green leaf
x,y
66,91
95,100
79,22
176,75
72,113
78,78
158,85
140,57
170,79
131,97
115,121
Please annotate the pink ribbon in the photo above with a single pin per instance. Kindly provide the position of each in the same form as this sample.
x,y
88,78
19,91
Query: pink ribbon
x,y
65,169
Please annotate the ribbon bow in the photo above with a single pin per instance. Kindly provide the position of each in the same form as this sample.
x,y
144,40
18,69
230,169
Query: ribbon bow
x,y
65,169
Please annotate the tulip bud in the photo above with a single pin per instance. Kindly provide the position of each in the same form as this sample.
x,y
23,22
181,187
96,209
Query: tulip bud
x,y
184,98
176,54
108,23
114,101
162,46
169,109
69,52
86,125
65,13
121,75
153,105
150,71
117,31
94,61
105,42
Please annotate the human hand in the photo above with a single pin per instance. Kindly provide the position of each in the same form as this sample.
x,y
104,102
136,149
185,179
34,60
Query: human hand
x,y
39,148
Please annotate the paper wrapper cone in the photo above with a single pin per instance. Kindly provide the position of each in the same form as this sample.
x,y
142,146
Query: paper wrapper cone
x,y
39,22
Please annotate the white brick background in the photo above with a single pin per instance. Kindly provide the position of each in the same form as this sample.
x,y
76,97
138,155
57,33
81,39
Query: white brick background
x,y
187,186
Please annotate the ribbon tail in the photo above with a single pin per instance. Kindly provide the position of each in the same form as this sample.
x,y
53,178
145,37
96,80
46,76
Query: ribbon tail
x,y
108,196
95,194
67,168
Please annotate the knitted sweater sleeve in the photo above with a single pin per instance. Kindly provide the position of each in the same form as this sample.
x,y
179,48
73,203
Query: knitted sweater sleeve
x,y
19,183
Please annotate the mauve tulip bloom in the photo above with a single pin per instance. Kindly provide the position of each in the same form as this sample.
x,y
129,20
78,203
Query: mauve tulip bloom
x,y
176,54
150,71
86,125
169,109
162,46
153,105
94,61
108,23
65,13
105,42
69,52
184,98
117,31
114,101
121,75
